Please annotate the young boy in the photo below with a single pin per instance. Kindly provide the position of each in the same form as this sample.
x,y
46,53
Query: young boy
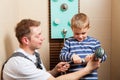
x,y
80,47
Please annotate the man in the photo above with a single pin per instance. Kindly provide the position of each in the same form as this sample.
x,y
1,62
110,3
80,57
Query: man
x,y
26,65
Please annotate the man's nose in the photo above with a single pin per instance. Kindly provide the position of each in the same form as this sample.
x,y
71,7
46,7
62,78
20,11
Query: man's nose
x,y
42,38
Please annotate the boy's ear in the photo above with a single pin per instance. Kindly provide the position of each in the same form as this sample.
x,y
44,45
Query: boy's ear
x,y
25,40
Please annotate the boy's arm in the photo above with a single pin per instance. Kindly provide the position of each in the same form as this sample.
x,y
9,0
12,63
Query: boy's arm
x,y
65,54
104,58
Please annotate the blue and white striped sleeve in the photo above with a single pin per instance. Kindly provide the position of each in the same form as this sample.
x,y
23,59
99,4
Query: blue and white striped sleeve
x,y
98,44
65,54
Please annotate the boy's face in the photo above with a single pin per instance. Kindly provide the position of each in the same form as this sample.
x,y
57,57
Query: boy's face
x,y
80,34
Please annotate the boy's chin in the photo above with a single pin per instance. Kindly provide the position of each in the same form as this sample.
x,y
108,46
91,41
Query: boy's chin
x,y
79,40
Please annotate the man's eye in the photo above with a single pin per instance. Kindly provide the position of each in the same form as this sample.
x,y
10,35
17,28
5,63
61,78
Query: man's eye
x,y
37,36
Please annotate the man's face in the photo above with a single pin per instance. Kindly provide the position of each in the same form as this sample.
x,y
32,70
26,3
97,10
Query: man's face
x,y
36,38
80,34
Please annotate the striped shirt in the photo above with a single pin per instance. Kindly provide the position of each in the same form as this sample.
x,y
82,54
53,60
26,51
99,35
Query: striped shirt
x,y
86,47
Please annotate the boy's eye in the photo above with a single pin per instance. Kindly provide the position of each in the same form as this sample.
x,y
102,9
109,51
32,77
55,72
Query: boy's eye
x,y
76,33
83,33
80,33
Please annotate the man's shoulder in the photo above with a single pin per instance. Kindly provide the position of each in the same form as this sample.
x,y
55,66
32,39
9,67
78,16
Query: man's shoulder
x,y
18,60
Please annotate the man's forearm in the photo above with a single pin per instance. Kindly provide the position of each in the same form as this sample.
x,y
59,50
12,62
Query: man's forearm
x,y
75,75
53,72
91,65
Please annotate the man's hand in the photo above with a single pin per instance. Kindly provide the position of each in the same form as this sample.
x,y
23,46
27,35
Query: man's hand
x,y
87,58
62,66
93,64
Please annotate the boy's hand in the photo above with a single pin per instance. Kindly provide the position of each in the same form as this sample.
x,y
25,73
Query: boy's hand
x,y
76,59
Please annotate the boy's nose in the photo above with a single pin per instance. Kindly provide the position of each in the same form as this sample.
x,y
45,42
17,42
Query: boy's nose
x,y
80,36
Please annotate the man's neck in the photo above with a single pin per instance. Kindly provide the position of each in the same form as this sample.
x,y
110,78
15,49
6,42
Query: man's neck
x,y
27,50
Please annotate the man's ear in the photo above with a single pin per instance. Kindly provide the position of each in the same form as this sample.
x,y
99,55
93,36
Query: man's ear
x,y
25,40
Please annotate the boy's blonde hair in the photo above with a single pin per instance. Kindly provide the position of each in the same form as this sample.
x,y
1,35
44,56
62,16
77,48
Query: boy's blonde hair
x,y
80,20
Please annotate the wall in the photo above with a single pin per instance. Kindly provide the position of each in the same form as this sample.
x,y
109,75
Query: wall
x,y
12,11
115,56
8,17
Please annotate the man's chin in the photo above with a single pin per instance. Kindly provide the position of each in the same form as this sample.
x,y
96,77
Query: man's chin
x,y
38,47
